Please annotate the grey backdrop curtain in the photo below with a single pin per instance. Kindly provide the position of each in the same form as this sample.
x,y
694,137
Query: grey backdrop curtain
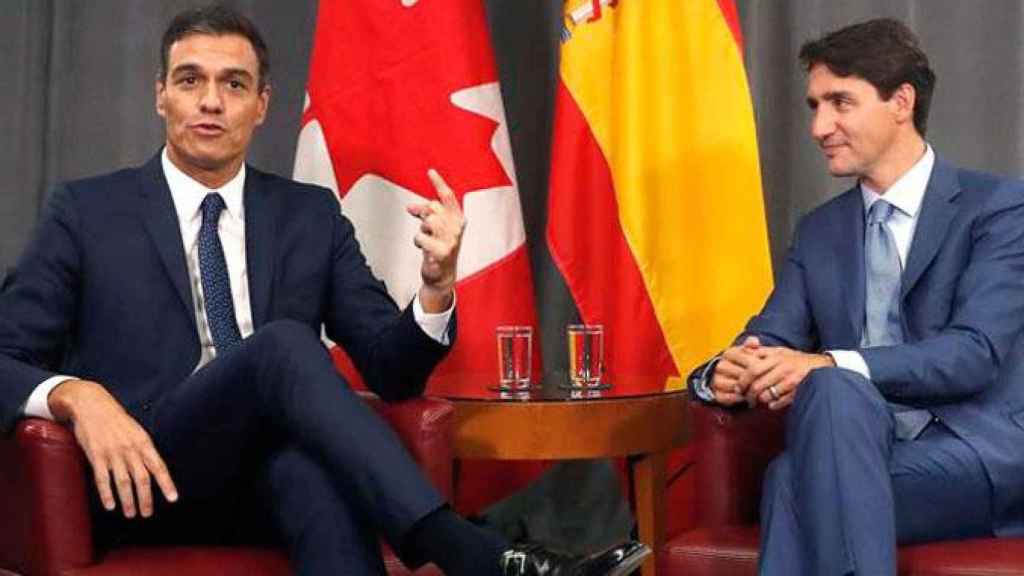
x,y
76,98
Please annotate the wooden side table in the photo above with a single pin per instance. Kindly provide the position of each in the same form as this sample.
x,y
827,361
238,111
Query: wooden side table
x,y
643,427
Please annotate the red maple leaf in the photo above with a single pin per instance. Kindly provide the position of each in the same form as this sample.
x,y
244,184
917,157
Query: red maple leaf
x,y
380,82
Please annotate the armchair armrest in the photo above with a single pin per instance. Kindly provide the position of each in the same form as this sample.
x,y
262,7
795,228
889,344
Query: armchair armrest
x,y
46,527
45,524
735,447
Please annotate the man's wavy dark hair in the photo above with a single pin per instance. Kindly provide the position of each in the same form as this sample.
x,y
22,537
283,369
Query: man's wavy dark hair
x,y
215,20
885,53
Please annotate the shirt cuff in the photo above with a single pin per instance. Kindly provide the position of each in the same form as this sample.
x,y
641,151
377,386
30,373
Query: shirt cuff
x,y
702,381
851,360
38,404
433,325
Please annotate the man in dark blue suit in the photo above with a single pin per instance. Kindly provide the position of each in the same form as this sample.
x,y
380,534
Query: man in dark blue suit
x,y
893,333
171,316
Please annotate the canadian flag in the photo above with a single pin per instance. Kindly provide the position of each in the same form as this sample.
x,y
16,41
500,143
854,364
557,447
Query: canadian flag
x,y
396,87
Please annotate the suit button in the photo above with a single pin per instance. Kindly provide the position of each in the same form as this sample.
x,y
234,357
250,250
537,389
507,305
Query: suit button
x,y
147,406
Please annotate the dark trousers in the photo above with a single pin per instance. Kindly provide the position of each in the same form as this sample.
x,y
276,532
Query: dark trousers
x,y
845,492
268,444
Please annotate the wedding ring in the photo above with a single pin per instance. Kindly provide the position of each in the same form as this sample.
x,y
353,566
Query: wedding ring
x,y
773,392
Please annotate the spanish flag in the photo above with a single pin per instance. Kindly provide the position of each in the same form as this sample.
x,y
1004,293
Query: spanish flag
x,y
655,215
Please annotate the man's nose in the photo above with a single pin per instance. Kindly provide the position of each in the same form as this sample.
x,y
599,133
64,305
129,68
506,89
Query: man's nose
x,y
822,124
210,101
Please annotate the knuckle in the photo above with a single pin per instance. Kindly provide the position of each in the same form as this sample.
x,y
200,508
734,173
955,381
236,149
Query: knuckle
x,y
153,460
154,463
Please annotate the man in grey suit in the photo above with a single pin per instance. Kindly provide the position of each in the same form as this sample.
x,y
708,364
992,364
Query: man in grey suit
x,y
892,335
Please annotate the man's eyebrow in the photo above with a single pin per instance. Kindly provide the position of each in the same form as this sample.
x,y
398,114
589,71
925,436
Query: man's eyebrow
x,y
226,73
830,96
187,67
230,72
836,95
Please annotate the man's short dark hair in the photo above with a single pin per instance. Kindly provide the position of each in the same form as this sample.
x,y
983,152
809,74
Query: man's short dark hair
x,y
885,53
215,20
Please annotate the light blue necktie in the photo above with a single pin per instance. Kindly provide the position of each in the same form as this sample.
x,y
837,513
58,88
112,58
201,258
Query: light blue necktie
x,y
882,301
213,271
882,325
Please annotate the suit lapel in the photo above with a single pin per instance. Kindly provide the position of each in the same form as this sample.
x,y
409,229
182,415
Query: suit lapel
x,y
259,244
937,210
849,248
161,223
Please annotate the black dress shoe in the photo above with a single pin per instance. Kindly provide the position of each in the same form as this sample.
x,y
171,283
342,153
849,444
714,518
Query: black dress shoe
x,y
535,560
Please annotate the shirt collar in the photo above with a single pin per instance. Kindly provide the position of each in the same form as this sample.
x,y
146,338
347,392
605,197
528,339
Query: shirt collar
x,y
188,193
907,192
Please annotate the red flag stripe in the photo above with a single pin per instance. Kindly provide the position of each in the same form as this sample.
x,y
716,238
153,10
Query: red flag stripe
x,y
732,18
582,220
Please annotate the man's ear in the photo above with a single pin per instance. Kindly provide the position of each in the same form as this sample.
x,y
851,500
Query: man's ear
x,y
159,89
903,100
264,98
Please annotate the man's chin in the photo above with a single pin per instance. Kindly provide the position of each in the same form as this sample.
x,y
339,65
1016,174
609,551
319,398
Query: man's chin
x,y
207,160
197,163
840,170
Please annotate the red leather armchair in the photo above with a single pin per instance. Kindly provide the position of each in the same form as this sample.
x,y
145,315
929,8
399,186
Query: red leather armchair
x,y
45,528
730,452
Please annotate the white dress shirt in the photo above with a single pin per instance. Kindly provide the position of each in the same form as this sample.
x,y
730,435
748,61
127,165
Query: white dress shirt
x,y
188,195
906,195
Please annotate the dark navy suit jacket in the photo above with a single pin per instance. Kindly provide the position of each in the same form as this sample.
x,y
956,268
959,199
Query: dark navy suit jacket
x,y
962,313
102,291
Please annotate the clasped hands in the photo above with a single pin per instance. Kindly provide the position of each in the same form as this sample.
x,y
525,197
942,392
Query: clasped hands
x,y
766,375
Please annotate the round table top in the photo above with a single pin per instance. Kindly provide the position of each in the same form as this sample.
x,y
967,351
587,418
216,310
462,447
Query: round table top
x,y
553,422
551,387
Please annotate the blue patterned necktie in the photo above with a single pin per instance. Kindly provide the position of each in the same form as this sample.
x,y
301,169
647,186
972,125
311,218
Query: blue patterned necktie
x,y
882,325
213,271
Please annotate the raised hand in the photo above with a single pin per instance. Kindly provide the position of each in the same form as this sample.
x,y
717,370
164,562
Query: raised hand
x,y
440,237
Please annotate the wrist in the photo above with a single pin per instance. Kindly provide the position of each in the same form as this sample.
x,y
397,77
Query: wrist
x,y
828,360
702,381
435,299
63,399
